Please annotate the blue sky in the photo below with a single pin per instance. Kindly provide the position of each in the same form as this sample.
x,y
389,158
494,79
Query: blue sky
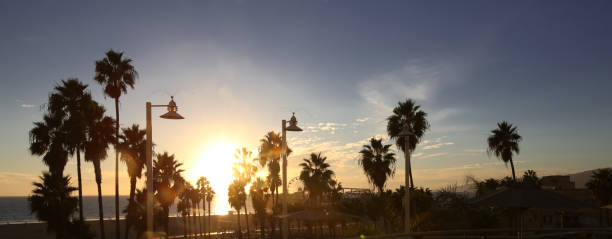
x,y
236,68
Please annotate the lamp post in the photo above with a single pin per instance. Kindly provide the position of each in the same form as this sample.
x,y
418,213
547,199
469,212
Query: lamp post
x,y
171,114
292,127
406,133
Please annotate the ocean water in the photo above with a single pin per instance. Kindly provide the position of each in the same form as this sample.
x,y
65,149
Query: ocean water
x,y
17,209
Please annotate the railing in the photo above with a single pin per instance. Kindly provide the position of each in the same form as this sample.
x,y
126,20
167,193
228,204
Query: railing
x,y
500,233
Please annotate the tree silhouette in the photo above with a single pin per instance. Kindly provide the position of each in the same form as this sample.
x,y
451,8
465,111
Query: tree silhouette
x,y
210,195
133,152
269,154
51,202
259,200
236,197
49,139
378,163
504,142
99,137
116,74
601,185
244,170
168,182
203,184
407,113
182,207
531,179
70,99
316,176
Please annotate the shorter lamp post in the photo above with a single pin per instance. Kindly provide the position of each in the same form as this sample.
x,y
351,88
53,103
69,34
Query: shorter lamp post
x,y
171,114
292,127
406,133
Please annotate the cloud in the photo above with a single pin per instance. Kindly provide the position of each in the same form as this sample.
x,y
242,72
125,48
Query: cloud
x,y
437,146
361,120
26,106
415,80
12,178
330,127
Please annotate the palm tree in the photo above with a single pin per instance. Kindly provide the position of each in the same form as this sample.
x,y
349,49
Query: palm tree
x,y
378,163
115,73
210,195
244,170
182,207
530,178
194,197
168,181
203,185
504,142
70,99
601,185
316,176
48,138
133,150
410,114
185,195
99,136
236,197
269,154
52,203
259,199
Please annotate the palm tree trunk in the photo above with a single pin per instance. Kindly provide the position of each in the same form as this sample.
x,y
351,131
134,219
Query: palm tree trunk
x,y
184,227
209,219
512,165
193,221
117,226
78,152
239,229
246,214
128,223
166,220
198,218
100,210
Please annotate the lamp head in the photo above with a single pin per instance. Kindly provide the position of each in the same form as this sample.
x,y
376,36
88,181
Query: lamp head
x,y
293,124
172,111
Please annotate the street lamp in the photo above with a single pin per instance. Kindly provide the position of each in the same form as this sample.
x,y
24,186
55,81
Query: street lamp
x,y
171,114
292,127
406,133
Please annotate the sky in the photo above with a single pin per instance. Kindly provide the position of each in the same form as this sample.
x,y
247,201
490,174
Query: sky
x,y
237,68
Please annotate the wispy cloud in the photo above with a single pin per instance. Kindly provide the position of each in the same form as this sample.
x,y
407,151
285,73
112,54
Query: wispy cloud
x,y
26,106
361,120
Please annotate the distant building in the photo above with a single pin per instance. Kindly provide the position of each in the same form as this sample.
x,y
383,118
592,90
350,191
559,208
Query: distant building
x,y
557,182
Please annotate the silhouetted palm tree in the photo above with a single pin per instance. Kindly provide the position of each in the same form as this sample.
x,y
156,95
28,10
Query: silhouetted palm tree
x,y
182,207
203,184
116,74
194,197
48,138
236,197
269,154
51,202
99,137
244,170
530,179
210,195
140,216
378,163
133,150
259,200
504,142
407,113
168,181
316,176
601,185
71,99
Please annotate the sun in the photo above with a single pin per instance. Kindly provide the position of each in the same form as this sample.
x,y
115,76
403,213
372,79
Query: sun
x,y
215,163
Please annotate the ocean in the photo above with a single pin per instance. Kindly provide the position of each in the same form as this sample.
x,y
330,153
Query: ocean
x,y
17,209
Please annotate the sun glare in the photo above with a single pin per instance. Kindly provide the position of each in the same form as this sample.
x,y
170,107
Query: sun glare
x,y
215,163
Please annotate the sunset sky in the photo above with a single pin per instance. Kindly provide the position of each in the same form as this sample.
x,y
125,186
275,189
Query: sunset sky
x,y
237,68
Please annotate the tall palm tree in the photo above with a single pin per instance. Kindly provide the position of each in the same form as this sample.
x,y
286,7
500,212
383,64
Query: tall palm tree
x,y
51,202
259,200
601,185
182,207
203,184
210,195
407,113
269,155
116,74
378,163
48,138
168,181
504,142
185,195
236,197
316,176
244,171
194,197
70,98
99,137
133,150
